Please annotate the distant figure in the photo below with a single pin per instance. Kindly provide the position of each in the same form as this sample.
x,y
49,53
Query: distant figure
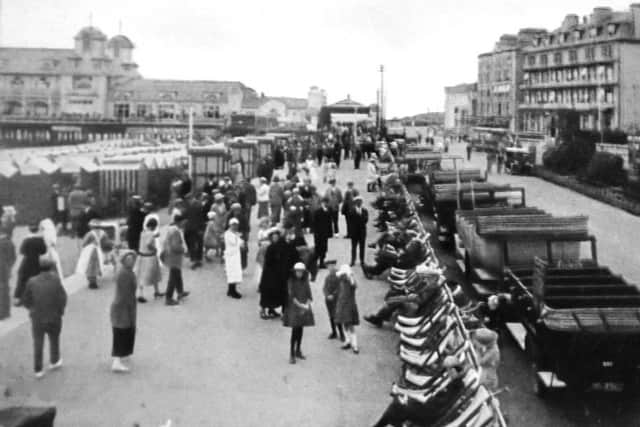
x,y
77,203
330,290
233,244
148,263
469,150
135,221
45,298
59,211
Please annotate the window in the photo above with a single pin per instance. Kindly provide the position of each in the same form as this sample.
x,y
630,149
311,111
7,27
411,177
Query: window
x,y
577,34
607,51
86,44
573,55
532,60
82,82
17,82
590,53
557,58
213,111
543,59
166,111
80,102
116,51
121,111
593,32
612,29
142,110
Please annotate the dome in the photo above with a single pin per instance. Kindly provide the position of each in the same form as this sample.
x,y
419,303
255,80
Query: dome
x,y
123,42
92,33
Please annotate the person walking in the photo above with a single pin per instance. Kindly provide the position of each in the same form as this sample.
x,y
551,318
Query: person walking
x,y
276,199
59,210
45,298
469,149
77,203
279,259
233,245
322,230
330,290
7,260
211,241
123,312
347,206
32,247
135,222
359,219
91,259
193,231
298,313
334,195
263,198
346,310
148,262
172,254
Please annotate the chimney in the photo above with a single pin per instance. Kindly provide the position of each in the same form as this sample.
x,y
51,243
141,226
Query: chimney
x,y
570,21
600,15
635,13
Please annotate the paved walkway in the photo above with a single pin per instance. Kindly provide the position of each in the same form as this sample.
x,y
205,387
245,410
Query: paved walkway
x,y
209,362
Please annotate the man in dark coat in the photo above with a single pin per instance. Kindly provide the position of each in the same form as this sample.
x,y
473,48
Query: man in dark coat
x,y
347,206
33,246
135,221
337,152
278,157
276,200
322,230
210,185
359,219
45,298
59,210
88,215
194,230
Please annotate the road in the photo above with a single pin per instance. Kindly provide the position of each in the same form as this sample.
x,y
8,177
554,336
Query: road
x,y
617,235
214,362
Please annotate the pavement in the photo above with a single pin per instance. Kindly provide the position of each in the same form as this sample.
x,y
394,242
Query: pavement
x,y
213,362
209,362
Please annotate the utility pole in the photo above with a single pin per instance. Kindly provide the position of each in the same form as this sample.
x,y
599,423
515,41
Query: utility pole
x,y
381,96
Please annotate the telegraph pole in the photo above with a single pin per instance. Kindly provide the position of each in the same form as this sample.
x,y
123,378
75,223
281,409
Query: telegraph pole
x,y
381,69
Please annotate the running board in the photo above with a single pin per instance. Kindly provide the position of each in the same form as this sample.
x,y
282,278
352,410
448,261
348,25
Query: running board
x,y
518,332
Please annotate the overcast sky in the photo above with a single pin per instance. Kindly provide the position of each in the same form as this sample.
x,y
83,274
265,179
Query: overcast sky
x,y
281,47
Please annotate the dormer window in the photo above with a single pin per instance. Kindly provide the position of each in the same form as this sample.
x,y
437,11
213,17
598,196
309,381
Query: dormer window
x,y
593,32
612,29
536,42
577,34
565,37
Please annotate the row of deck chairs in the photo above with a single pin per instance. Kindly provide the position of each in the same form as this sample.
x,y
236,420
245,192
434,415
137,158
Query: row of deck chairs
x,y
432,333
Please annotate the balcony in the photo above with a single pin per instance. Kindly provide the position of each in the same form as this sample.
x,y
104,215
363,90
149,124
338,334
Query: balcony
x,y
569,84
576,106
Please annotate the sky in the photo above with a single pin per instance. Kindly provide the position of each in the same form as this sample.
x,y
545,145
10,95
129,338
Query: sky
x,y
282,47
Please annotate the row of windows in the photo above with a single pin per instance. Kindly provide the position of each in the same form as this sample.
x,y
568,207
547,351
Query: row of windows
x,y
498,109
588,54
165,110
503,75
576,35
570,96
594,74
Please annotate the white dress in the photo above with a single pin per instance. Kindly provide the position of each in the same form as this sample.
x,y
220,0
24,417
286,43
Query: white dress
x,y
50,236
232,260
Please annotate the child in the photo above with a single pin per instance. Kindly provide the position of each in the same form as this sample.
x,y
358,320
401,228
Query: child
x,y
485,342
330,169
211,238
263,241
147,267
298,313
346,312
330,290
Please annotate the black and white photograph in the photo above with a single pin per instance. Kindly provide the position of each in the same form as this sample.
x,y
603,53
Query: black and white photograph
x,y
347,213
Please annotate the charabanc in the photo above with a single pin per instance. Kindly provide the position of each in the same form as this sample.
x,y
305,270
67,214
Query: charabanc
x,y
579,326
519,161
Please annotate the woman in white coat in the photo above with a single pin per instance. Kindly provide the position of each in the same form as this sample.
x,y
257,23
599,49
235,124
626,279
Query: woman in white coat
x,y
233,244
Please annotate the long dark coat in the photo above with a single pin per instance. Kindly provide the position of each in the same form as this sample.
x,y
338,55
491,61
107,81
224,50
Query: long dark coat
x,y
135,222
295,316
31,249
346,312
279,259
